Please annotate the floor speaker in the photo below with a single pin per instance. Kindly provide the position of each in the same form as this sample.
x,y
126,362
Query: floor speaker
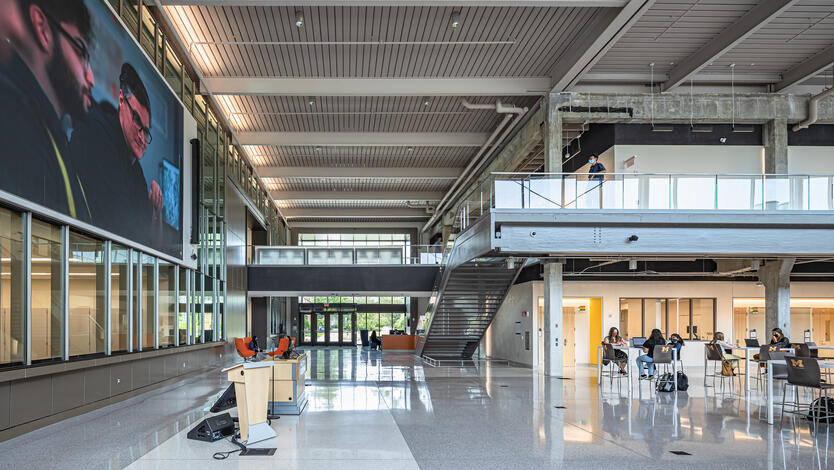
x,y
213,428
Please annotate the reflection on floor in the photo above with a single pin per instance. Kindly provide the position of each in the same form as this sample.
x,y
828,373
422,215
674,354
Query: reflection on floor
x,y
372,410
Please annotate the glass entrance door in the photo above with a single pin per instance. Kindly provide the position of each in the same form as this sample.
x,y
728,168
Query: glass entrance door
x,y
348,329
333,328
307,328
321,333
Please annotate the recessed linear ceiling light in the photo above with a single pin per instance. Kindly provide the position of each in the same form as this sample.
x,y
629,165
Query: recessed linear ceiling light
x,y
299,18
662,128
701,129
454,21
743,129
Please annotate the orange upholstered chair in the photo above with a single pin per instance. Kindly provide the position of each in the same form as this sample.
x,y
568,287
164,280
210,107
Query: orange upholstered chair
x,y
242,346
283,345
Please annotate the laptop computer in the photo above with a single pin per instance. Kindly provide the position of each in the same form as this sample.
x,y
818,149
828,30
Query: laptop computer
x,y
637,342
752,342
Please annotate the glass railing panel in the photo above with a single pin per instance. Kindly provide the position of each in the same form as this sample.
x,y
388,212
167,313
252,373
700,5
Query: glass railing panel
x,y
631,191
820,191
737,192
544,193
693,192
318,256
571,186
659,192
613,191
367,256
390,256
777,192
341,255
508,194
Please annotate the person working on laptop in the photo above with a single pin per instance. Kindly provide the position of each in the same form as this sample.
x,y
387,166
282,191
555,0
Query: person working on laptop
x,y
655,339
777,337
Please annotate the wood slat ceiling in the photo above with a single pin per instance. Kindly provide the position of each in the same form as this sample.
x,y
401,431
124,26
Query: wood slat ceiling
x,y
328,156
537,37
363,113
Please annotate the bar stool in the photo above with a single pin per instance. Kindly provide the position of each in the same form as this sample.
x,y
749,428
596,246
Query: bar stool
x,y
610,354
805,372
715,354
662,358
764,354
780,371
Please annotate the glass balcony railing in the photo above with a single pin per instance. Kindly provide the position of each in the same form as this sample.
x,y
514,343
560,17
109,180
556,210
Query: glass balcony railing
x,y
650,191
346,255
647,191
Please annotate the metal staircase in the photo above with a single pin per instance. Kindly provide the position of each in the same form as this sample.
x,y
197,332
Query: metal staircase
x,y
466,300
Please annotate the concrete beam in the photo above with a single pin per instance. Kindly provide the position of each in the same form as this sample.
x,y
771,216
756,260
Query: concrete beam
x,y
699,79
734,34
399,3
523,86
352,224
365,139
354,213
670,108
601,32
357,172
807,69
356,195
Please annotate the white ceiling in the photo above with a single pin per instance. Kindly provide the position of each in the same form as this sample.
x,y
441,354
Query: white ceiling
x,y
370,66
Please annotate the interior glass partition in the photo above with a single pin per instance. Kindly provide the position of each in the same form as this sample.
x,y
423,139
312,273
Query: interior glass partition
x,y
147,302
136,301
47,302
182,308
119,297
167,304
11,288
86,295
812,319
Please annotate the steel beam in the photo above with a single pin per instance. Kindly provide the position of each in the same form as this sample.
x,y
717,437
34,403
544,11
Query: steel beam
x,y
356,195
807,69
397,3
734,34
355,213
523,86
604,29
357,172
699,79
365,139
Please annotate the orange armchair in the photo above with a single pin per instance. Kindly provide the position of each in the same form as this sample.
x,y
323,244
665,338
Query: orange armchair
x,y
242,346
283,345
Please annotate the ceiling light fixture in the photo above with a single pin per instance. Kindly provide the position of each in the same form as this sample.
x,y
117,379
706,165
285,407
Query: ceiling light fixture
x,y
454,21
318,148
311,101
410,149
299,18
426,101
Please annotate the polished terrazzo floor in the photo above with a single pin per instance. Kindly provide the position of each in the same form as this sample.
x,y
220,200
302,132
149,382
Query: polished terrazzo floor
x,y
370,410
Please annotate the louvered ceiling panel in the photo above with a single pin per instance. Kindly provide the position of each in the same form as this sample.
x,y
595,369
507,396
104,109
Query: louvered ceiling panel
x,y
356,184
499,41
794,36
356,219
670,32
397,157
342,204
364,113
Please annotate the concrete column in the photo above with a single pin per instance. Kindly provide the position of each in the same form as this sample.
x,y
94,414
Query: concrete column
x,y
775,142
776,277
553,135
553,319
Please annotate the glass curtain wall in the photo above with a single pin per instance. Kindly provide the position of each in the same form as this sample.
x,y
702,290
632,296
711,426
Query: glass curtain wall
x,y
11,288
47,301
136,293
119,297
86,296
147,302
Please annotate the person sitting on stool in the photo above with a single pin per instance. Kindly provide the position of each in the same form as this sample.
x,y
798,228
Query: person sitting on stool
x,y
375,342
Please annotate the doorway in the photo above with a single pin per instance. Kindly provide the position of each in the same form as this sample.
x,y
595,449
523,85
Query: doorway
x,y
569,333
328,328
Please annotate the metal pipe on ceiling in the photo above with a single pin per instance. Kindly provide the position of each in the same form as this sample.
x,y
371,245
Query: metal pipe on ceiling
x,y
813,109
457,185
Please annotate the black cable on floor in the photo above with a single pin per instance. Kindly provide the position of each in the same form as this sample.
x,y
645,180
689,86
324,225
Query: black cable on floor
x,y
225,455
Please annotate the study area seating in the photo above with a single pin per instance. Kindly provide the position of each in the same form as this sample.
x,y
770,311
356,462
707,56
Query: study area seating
x,y
715,355
609,354
804,372
242,347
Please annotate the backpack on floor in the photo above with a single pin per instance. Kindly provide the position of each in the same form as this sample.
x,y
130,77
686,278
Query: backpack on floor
x,y
683,382
665,383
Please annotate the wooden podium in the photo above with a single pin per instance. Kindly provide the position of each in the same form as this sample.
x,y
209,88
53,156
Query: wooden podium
x,y
286,389
251,381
